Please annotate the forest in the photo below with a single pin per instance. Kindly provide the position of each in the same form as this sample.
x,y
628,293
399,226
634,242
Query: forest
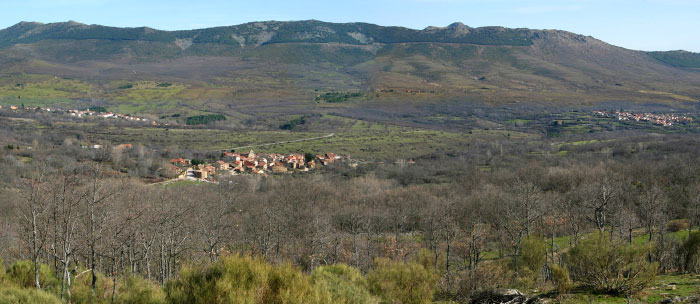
x,y
204,119
614,219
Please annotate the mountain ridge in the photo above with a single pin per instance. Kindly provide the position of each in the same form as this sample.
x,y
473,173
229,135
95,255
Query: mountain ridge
x,y
310,31
262,63
325,32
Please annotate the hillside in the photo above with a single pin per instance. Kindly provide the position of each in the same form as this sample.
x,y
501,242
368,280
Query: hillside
x,y
259,33
241,70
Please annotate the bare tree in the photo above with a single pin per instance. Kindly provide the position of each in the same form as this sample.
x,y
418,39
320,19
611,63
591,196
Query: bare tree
x,y
692,211
97,194
36,200
530,199
215,220
628,222
450,232
574,216
521,208
651,208
66,199
599,199
432,230
119,231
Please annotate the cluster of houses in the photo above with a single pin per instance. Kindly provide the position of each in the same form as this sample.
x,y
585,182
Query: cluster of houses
x,y
14,108
251,163
118,147
85,113
82,113
665,120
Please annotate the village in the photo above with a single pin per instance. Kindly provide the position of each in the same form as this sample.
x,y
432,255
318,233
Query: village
x,y
84,113
251,163
665,120
98,112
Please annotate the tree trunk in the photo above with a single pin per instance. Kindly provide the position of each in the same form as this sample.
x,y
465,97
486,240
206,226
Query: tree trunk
x,y
92,269
35,249
36,273
629,236
114,280
516,251
552,246
447,256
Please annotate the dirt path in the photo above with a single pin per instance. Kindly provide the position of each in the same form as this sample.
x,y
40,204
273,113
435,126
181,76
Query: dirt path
x,y
281,142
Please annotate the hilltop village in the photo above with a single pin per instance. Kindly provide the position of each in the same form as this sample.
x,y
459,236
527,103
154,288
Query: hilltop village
x,y
251,163
665,120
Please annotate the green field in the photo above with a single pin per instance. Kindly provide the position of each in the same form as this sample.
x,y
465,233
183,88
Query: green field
x,y
363,141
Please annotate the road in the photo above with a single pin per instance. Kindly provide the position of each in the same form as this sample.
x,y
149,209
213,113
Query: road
x,y
281,142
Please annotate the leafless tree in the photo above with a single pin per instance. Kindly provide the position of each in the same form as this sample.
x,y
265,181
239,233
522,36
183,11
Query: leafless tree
x,y
36,198
651,208
95,211
692,211
67,196
599,200
520,209
215,220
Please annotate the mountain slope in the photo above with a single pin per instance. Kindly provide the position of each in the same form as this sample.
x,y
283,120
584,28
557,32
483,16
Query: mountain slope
x,y
258,33
256,64
681,59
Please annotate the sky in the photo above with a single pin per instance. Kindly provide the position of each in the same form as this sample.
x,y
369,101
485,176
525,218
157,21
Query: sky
x,y
650,25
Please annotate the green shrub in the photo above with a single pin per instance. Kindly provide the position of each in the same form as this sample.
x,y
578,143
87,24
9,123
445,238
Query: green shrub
x,y
427,258
98,109
616,268
344,284
14,295
287,284
561,279
335,97
309,157
397,282
290,125
531,259
231,279
197,162
136,290
236,279
690,253
81,289
2,271
533,255
21,273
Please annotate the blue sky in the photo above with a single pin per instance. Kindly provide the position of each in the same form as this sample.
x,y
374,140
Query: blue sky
x,y
638,24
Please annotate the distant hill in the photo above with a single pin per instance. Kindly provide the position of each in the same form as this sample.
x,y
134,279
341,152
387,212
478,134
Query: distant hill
x,y
681,59
260,63
259,33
